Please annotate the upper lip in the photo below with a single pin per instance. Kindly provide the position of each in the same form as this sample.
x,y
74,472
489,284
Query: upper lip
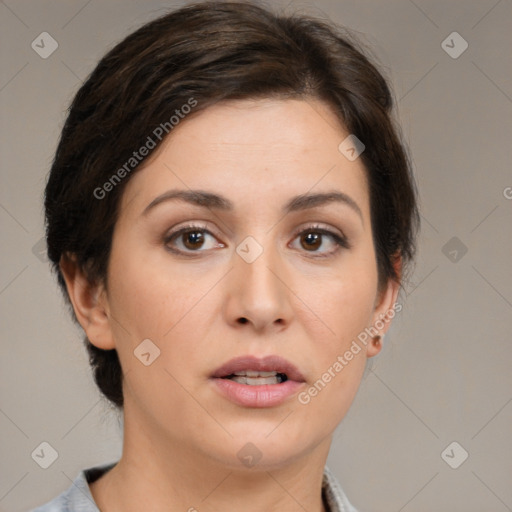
x,y
264,364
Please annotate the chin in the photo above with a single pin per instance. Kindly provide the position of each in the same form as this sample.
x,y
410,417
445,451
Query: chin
x,y
264,446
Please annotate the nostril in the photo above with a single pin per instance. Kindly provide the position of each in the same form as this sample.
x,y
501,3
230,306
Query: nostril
x,y
243,320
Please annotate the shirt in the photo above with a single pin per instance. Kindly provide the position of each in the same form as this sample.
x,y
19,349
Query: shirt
x,y
78,497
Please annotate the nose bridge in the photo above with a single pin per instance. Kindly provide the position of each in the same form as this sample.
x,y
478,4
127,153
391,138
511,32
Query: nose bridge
x,y
257,271
259,295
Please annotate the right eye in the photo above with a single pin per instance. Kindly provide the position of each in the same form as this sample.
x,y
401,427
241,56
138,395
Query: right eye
x,y
190,239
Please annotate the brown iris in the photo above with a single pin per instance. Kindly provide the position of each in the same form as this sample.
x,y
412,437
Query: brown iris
x,y
313,240
193,239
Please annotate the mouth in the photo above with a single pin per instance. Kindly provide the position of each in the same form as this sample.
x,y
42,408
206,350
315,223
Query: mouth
x,y
258,382
255,378
251,370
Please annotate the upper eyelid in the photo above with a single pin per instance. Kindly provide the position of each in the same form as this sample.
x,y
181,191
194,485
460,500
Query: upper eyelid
x,y
199,226
323,228
205,227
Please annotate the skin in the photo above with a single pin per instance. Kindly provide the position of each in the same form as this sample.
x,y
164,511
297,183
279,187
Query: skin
x,y
181,437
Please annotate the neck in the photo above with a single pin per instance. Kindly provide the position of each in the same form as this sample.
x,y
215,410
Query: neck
x,y
163,474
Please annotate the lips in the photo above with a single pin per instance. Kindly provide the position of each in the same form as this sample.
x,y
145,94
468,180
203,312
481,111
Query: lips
x,y
258,382
264,367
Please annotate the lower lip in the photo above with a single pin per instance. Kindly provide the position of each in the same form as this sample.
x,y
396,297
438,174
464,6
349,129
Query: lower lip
x,y
266,395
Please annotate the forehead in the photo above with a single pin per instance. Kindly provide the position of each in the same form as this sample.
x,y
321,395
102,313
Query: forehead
x,y
254,150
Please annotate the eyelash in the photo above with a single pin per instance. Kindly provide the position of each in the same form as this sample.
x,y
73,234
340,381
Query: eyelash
x,y
341,241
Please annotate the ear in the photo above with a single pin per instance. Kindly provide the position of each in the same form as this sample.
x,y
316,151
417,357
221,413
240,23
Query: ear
x,y
384,311
89,302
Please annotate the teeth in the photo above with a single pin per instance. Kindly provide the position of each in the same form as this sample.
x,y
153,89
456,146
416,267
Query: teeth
x,y
256,381
255,374
257,378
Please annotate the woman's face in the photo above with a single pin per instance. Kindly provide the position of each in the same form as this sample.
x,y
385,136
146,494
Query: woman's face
x,y
260,271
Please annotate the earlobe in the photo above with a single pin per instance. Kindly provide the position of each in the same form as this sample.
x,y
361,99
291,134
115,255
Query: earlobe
x,y
375,345
385,310
89,303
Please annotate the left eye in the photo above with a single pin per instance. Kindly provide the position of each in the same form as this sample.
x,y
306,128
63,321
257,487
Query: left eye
x,y
312,240
190,239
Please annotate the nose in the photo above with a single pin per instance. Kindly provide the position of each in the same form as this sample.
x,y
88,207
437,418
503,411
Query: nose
x,y
258,296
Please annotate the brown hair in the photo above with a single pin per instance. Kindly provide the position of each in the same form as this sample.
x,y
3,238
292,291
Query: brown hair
x,y
214,51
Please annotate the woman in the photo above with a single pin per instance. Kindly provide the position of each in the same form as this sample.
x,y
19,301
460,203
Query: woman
x,y
230,213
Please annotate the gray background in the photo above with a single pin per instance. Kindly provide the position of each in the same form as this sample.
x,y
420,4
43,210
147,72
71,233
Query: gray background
x,y
444,374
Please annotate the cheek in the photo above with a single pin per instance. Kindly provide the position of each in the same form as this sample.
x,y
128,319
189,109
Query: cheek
x,y
148,294
342,302
150,298
340,359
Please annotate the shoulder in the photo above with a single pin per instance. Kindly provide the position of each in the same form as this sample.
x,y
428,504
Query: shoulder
x,y
333,494
77,497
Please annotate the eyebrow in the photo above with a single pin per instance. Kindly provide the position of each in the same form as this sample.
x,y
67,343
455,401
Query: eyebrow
x,y
214,201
